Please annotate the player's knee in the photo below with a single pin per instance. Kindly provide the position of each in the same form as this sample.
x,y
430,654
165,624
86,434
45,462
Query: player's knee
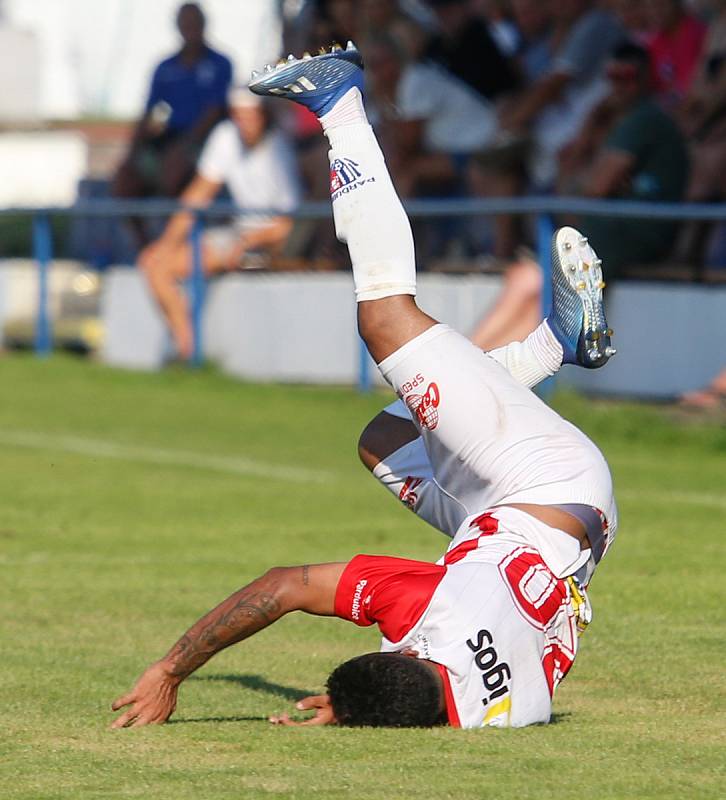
x,y
367,446
383,436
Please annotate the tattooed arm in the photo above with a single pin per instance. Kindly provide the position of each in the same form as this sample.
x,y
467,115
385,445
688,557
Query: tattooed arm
x,y
309,588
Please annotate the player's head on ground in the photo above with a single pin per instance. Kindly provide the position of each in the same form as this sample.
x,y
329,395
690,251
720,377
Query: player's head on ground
x,y
387,690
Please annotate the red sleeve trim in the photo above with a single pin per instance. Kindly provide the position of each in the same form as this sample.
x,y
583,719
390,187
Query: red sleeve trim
x,y
451,711
393,592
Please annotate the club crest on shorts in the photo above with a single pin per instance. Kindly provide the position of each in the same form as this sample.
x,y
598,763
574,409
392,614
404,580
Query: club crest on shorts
x,y
425,406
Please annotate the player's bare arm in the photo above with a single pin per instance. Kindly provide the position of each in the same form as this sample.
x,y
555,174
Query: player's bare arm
x,y
309,588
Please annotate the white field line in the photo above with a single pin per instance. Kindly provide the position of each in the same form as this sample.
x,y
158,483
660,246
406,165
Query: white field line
x,y
668,498
188,459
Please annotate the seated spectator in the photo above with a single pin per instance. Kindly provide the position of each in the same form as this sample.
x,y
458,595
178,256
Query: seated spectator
x,y
635,19
703,118
258,167
643,156
628,148
518,309
538,123
186,99
534,23
502,172
498,17
557,103
675,48
437,120
464,47
711,398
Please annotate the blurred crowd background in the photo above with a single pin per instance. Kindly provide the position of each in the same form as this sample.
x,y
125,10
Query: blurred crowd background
x,y
612,99
470,98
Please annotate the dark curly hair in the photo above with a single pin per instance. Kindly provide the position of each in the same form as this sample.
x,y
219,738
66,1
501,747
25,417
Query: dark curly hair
x,y
385,690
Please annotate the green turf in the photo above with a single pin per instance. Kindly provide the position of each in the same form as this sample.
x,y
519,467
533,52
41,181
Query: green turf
x,y
130,504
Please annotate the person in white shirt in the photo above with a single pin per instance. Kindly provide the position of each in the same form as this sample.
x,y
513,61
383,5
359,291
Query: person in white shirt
x,y
483,637
257,164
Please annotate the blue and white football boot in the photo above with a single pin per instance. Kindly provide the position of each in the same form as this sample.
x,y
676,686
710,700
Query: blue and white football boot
x,y
316,82
577,318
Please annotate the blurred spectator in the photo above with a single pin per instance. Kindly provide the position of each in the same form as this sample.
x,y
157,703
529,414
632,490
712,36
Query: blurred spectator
x,y
628,148
711,398
634,17
436,120
675,48
464,47
186,99
703,117
534,23
258,166
502,171
557,103
498,16
518,309
539,122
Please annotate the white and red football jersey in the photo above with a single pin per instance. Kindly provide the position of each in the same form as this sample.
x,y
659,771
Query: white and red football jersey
x,y
491,614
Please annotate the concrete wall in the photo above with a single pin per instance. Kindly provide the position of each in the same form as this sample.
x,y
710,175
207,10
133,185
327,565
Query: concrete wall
x,y
20,58
41,168
301,327
274,327
19,288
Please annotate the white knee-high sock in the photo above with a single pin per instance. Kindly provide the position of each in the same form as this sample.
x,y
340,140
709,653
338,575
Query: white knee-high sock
x,y
534,359
368,215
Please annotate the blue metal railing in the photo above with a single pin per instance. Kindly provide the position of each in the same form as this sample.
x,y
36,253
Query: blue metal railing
x,y
542,207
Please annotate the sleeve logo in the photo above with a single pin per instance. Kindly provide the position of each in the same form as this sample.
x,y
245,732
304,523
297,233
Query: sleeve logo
x,y
355,608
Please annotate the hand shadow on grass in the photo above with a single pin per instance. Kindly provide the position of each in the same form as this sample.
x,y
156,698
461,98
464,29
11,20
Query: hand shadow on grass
x,y
254,682
258,684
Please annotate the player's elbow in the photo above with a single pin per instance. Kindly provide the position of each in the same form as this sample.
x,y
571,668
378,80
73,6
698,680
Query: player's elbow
x,y
279,585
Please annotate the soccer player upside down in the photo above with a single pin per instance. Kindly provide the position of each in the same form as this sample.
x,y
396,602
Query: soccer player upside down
x,y
484,636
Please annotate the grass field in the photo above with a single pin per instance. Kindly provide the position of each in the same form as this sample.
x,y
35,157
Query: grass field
x,y
130,504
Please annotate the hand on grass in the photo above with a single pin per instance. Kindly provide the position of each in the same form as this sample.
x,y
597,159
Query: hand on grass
x,y
152,700
323,712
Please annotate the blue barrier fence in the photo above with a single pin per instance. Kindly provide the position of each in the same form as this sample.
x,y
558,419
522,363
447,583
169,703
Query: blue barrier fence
x,y
543,208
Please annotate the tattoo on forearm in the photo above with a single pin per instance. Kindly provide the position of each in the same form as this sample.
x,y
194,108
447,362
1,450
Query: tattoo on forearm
x,y
306,574
249,612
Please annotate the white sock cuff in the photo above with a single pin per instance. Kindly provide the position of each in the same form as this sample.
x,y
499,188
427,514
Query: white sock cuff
x,y
348,110
546,347
352,137
381,290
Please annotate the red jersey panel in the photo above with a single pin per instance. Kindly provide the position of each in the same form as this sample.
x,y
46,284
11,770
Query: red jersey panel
x,y
393,592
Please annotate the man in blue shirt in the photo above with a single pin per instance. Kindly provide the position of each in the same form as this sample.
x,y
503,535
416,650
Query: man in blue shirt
x,y
186,99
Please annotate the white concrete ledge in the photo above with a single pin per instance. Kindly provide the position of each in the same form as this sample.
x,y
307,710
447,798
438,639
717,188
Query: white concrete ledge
x,y
301,328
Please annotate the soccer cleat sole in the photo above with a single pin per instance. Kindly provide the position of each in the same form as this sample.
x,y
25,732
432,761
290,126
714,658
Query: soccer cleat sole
x,y
310,78
575,262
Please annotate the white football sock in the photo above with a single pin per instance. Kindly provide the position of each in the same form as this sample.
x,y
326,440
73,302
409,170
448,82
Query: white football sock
x,y
349,110
368,215
538,357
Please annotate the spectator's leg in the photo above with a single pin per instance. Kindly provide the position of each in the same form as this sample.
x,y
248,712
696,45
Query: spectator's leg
x,y
164,273
489,182
129,184
518,309
177,168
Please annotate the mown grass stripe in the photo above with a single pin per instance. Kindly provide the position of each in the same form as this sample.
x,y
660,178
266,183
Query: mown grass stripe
x,y
185,459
